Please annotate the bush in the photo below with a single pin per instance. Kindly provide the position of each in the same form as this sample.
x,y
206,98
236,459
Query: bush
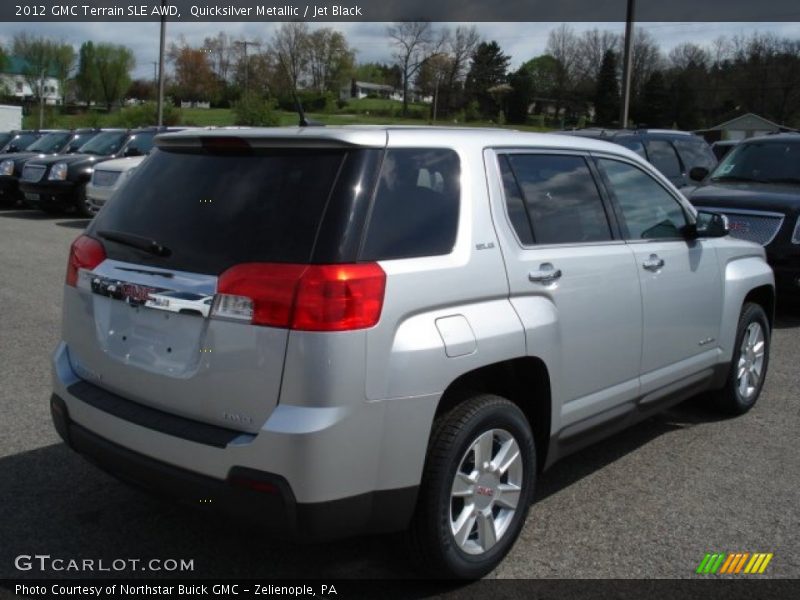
x,y
535,120
144,115
311,101
473,111
255,111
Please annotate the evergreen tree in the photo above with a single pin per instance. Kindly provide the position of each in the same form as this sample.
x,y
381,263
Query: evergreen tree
x,y
606,98
487,70
655,109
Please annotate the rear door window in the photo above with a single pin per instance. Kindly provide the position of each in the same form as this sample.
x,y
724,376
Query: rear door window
x,y
213,211
415,210
561,198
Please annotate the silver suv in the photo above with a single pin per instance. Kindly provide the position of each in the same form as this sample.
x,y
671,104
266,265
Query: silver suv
x,y
336,331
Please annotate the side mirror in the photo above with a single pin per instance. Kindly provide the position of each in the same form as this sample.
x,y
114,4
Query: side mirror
x,y
132,151
711,225
698,173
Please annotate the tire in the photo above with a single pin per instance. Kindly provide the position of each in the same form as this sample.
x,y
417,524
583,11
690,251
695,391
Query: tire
x,y
750,362
468,553
81,207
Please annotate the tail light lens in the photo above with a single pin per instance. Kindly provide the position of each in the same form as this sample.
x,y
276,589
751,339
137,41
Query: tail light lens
x,y
302,297
85,253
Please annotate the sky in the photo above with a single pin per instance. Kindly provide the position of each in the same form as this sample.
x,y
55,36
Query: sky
x,y
521,41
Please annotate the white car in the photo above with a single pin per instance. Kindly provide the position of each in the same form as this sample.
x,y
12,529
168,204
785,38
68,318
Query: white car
x,y
107,178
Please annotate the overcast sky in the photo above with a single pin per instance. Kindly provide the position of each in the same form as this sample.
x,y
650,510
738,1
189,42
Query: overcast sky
x,y
521,41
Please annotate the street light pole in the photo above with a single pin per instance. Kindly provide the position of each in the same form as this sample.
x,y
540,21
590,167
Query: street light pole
x,y
161,65
626,65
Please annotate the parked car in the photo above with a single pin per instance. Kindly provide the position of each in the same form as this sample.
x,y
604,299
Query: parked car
x,y
59,182
108,178
721,148
674,153
407,325
20,140
56,142
757,187
5,137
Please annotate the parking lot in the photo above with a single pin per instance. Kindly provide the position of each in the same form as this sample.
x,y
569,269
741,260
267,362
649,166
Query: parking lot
x,y
649,502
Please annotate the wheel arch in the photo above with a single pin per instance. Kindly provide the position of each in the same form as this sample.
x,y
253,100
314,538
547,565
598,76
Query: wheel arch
x,y
525,381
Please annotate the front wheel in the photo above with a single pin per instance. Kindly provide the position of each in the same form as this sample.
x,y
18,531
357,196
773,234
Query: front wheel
x,y
82,204
749,365
476,489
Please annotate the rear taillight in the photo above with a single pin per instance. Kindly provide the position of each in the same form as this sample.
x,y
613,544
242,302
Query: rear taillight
x,y
85,253
304,297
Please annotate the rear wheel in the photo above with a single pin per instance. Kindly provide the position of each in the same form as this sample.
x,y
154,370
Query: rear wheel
x,y
476,489
749,364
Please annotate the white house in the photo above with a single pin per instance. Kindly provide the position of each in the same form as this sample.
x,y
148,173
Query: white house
x,y
363,89
12,78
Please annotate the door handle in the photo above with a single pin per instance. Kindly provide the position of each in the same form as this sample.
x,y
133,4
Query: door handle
x,y
654,263
545,274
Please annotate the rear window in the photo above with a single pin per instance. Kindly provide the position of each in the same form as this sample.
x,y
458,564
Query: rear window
x,y
415,211
695,153
213,211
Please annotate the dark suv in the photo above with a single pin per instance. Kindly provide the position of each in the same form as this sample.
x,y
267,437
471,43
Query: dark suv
x,y
674,153
757,186
53,143
59,182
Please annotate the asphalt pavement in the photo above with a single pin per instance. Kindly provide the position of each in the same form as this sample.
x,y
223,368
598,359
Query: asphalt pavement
x,y
646,503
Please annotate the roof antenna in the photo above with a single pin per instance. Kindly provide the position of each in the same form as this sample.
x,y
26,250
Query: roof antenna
x,y
304,121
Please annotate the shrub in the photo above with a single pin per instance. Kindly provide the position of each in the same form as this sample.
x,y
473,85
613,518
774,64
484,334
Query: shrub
x,y
143,115
255,111
535,120
473,111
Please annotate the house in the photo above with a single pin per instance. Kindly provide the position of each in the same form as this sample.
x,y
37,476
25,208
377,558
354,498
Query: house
x,y
363,89
742,127
12,78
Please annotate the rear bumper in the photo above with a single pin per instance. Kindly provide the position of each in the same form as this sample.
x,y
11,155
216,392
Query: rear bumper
x,y
279,479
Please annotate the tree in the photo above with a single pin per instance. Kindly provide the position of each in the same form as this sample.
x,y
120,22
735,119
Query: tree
x,y
414,43
330,60
290,46
522,94
194,77
656,102
606,98
114,64
562,45
88,87
63,63
38,53
487,70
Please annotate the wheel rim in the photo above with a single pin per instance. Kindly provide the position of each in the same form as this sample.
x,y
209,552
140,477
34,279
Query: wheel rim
x,y
486,491
750,368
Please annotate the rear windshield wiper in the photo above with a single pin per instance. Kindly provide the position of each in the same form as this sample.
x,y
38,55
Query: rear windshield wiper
x,y
135,241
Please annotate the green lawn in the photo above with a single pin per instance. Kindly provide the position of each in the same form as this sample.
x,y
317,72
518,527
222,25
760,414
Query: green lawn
x,y
223,116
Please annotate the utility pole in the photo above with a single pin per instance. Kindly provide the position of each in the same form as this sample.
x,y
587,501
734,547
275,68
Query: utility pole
x,y
246,43
161,64
626,65
42,88
155,76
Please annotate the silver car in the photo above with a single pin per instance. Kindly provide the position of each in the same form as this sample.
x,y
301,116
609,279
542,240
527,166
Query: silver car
x,y
405,326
